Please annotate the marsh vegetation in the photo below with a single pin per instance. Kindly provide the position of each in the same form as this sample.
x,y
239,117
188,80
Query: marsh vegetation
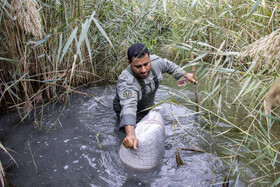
x,y
50,48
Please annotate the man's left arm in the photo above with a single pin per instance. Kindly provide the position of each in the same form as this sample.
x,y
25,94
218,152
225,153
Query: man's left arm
x,y
173,69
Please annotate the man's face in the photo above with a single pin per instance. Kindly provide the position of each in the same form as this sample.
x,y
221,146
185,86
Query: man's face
x,y
141,66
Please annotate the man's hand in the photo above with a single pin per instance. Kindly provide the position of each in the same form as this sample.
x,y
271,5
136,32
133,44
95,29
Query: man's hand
x,y
190,78
130,140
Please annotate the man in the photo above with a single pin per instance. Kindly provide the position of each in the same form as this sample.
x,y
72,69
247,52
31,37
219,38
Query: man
x,y
137,86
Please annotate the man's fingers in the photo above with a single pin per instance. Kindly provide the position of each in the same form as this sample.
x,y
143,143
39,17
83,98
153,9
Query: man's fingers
x,y
135,144
126,143
194,79
130,142
191,78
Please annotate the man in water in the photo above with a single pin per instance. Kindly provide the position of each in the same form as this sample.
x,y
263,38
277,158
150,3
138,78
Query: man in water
x,y
137,86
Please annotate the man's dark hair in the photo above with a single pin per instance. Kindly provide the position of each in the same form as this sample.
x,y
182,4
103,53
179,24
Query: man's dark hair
x,y
137,50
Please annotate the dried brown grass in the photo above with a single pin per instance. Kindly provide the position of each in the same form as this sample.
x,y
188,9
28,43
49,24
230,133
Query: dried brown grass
x,y
26,20
265,51
28,17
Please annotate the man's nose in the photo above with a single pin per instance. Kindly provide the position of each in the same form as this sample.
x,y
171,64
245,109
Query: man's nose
x,y
143,69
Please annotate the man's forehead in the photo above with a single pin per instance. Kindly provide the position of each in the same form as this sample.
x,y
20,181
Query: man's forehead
x,y
141,60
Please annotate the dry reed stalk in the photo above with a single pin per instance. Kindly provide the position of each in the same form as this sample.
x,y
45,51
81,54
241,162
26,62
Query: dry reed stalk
x,y
264,51
28,105
195,84
2,174
28,17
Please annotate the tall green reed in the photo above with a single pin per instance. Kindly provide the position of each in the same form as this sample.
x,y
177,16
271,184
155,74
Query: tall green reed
x,y
235,89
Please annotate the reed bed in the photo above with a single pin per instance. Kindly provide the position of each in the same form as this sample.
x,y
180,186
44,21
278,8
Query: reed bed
x,y
49,48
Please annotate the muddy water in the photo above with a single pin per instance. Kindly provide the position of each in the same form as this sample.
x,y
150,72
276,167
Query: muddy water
x,y
81,145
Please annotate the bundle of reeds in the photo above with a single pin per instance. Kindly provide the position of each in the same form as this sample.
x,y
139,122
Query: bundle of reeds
x,y
27,16
21,23
264,52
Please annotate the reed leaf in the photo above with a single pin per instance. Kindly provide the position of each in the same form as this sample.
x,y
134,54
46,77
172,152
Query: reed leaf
x,y
103,32
245,85
206,45
7,59
78,48
59,49
68,43
12,92
210,94
251,67
277,181
253,86
219,108
232,53
200,57
267,116
187,46
108,7
9,87
254,8
164,5
223,133
37,43
83,36
89,50
5,4
275,160
194,3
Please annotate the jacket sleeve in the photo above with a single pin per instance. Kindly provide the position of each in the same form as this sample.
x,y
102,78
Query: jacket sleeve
x,y
167,66
128,95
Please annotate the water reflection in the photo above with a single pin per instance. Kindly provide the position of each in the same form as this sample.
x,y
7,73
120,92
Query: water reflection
x,y
83,148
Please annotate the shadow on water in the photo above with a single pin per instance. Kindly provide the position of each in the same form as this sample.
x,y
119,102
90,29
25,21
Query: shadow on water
x,y
81,149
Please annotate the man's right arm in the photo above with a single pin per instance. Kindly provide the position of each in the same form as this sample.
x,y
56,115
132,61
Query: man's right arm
x,y
128,94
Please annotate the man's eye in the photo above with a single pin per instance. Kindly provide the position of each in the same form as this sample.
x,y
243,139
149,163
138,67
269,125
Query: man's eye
x,y
146,64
